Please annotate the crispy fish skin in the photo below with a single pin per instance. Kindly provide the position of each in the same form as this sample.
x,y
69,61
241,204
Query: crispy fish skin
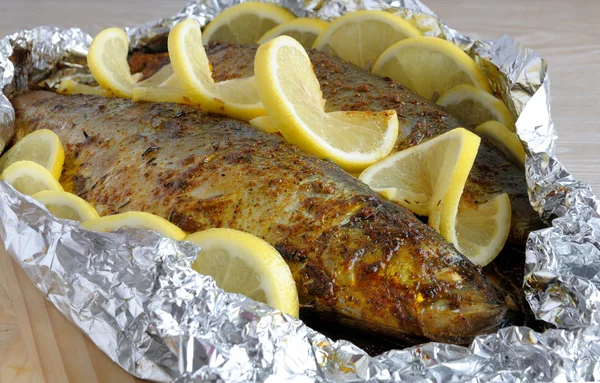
x,y
347,87
353,254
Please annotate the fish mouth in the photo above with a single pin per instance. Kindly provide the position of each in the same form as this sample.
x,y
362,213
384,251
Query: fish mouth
x,y
457,311
462,325
458,303
488,300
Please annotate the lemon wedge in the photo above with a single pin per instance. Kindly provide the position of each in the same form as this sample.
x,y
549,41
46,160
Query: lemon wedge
x,y
66,205
429,178
361,37
42,147
237,98
429,66
107,59
69,86
135,219
292,95
242,263
504,140
304,30
480,234
29,177
474,106
246,22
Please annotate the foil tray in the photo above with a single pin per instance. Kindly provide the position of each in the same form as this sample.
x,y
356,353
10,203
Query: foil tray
x,y
134,294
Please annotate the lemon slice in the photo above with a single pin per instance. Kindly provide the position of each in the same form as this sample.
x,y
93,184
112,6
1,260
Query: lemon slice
x,y
504,140
429,178
269,124
429,66
303,29
474,106
29,177
159,77
41,146
242,263
265,123
245,23
107,59
137,220
160,94
170,90
69,86
361,37
136,77
236,98
292,95
66,205
480,234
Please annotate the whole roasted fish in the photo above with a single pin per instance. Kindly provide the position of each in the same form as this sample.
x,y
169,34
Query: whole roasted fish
x,y
353,254
347,87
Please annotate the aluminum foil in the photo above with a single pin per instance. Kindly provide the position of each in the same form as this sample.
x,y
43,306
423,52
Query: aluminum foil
x,y
134,293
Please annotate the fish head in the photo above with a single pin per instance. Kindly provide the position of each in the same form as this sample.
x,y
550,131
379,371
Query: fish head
x,y
453,301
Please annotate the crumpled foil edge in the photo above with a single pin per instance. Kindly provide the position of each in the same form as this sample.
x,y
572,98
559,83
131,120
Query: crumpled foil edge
x,y
134,293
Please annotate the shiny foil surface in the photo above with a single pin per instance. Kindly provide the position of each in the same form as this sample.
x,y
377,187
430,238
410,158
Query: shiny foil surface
x,y
134,293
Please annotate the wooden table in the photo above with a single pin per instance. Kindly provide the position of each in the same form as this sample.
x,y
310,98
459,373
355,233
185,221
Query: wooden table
x,y
37,343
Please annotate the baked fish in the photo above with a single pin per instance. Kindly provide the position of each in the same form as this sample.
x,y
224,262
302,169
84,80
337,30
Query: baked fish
x,y
347,87
367,261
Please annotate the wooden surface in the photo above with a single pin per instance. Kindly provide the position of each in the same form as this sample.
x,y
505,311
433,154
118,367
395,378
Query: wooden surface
x,y
38,344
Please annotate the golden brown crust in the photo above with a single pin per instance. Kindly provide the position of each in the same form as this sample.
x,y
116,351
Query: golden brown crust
x,y
147,63
346,87
351,253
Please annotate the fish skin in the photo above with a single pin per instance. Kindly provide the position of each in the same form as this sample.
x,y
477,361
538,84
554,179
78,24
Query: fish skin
x,y
347,87
368,261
